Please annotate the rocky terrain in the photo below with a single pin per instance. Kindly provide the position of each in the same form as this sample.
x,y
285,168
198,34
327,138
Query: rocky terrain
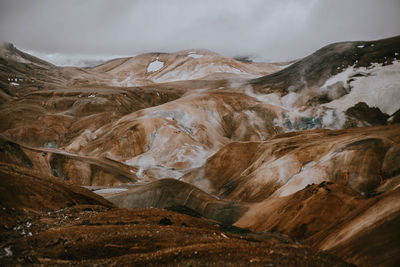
x,y
197,159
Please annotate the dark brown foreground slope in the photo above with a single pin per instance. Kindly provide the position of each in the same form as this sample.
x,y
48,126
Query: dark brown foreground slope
x,y
333,190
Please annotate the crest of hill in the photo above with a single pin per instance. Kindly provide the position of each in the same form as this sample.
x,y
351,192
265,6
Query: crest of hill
x,y
182,65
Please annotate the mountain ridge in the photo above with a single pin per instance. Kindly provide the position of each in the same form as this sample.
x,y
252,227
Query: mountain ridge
x,y
310,151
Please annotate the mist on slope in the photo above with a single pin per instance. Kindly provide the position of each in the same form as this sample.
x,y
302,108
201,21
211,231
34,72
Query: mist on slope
x,y
77,60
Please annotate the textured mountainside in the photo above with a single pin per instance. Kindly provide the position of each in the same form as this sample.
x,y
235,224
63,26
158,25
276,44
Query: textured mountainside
x,y
47,221
311,150
184,65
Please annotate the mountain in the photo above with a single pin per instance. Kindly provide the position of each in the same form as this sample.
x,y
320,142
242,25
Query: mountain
x,y
308,151
184,65
48,221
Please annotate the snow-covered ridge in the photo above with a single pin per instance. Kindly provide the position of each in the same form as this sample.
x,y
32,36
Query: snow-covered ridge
x,y
183,65
195,55
377,85
155,66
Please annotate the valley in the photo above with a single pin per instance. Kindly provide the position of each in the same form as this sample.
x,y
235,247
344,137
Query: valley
x,y
192,158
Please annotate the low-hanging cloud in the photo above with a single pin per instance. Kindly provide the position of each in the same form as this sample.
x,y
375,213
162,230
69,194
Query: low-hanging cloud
x,y
274,30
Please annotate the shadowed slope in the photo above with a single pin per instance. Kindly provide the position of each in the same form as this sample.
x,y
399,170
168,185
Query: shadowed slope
x,y
330,189
93,235
47,221
332,217
48,162
313,70
173,194
25,190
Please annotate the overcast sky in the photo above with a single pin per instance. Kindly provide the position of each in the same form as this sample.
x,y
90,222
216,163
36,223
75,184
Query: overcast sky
x,y
273,30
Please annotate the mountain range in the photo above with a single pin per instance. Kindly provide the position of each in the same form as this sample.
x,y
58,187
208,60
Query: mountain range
x,y
241,162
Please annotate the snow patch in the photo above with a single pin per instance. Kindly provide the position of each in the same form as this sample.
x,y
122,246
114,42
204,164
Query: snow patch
x,y
177,75
127,82
110,190
308,165
285,66
155,66
311,175
341,77
140,173
378,87
194,154
8,251
276,169
360,46
235,70
194,55
144,160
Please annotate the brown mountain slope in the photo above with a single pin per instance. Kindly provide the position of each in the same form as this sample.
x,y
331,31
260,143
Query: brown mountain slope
x,y
332,217
286,163
177,195
89,235
46,221
53,117
330,189
183,65
313,70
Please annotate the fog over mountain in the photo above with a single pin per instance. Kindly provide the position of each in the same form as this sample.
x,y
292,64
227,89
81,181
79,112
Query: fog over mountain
x,y
270,30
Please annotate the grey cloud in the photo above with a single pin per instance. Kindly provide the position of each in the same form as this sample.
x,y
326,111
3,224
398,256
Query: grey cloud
x,y
274,30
